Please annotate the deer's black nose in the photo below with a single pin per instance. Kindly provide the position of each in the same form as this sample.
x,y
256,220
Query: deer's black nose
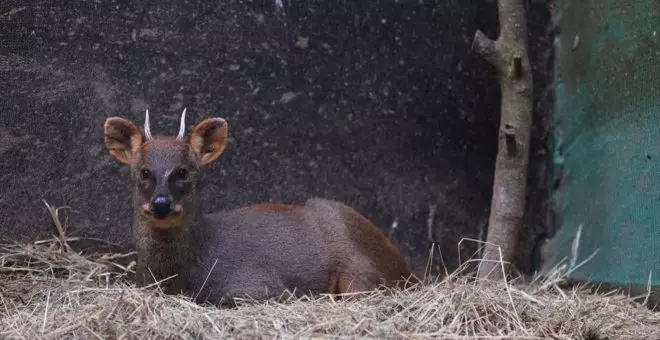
x,y
161,207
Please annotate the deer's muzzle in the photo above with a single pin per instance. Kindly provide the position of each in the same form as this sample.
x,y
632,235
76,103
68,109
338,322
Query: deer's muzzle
x,y
160,207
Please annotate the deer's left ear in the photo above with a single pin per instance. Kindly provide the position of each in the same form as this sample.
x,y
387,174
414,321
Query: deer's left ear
x,y
209,139
122,138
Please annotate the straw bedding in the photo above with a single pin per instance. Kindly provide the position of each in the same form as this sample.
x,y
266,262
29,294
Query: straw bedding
x,y
47,291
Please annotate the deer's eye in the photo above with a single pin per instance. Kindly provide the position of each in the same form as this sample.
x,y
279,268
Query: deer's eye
x,y
182,174
145,174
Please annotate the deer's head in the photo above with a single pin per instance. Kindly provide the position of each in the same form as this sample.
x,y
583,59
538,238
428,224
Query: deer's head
x,y
165,169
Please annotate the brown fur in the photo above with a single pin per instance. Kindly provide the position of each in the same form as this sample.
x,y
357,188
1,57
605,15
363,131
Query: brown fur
x,y
258,251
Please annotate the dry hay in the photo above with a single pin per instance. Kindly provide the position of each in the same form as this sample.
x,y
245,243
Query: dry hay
x,y
47,293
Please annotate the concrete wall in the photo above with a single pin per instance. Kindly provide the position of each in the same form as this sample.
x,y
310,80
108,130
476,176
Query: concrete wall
x,y
375,103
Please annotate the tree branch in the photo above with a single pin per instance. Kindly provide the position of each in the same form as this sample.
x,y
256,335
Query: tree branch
x,y
508,54
485,48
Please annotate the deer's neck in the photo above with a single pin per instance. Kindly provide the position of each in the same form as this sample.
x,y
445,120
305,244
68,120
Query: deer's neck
x,y
163,253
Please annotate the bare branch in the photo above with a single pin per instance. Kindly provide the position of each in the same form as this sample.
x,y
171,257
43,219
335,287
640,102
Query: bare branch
x,y
485,48
508,54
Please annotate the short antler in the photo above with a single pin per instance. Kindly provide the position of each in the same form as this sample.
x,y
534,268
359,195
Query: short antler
x,y
182,128
147,128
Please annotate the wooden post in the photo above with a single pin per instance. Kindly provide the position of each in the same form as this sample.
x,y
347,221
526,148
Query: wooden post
x,y
508,54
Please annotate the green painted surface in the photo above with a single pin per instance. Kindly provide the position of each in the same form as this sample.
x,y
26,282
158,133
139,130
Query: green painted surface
x,y
606,139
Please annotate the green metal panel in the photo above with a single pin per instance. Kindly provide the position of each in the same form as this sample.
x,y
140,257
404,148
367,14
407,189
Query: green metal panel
x,y
606,138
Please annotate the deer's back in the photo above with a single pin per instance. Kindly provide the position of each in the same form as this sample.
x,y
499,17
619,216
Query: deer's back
x,y
318,247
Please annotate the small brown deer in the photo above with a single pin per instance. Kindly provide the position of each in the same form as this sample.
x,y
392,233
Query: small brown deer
x,y
257,251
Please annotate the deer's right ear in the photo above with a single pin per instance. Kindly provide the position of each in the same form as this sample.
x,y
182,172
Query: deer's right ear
x,y
122,138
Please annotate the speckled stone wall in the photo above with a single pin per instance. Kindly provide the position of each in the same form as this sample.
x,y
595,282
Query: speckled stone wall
x,y
376,103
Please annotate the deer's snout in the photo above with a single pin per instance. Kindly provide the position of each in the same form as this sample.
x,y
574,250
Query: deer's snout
x,y
160,207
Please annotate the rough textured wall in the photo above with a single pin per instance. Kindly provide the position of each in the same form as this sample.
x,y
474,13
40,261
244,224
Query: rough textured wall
x,y
375,103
